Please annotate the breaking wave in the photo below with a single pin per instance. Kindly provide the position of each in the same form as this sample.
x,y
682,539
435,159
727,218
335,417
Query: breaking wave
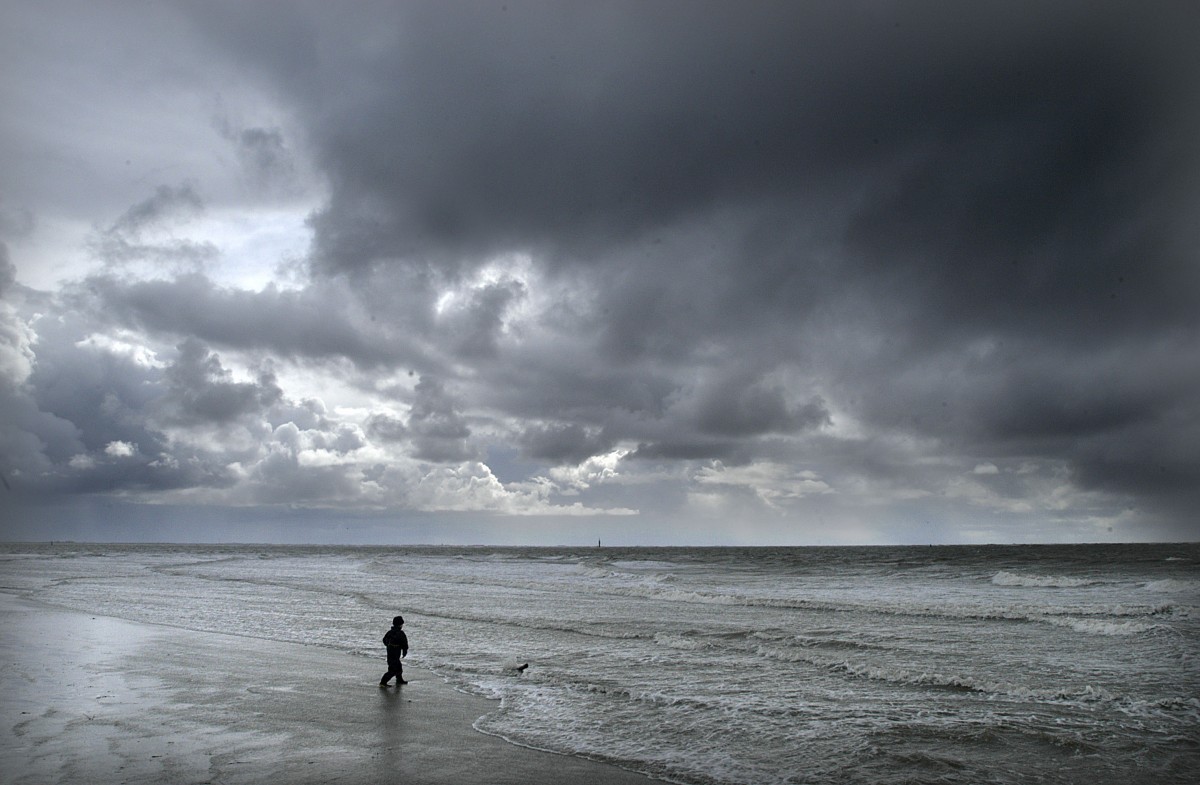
x,y
1005,578
1101,626
1174,585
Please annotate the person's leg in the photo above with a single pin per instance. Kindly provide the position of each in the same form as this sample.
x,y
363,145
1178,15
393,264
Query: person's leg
x,y
394,669
400,673
391,671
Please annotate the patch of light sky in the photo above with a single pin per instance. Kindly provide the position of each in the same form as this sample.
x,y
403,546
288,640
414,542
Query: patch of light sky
x,y
254,248
54,252
354,403
257,248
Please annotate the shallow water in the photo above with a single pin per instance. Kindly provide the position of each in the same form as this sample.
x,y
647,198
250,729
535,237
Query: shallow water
x,y
994,664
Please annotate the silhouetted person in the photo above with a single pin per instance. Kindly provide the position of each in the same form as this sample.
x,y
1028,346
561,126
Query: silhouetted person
x,y
397,648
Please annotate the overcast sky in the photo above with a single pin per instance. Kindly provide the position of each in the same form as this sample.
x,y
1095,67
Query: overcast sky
x,y
656,272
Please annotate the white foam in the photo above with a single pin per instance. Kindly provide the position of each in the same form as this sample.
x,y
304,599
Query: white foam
x,y
1173,585
1100,626
930,678
680,642
642,566
1005,578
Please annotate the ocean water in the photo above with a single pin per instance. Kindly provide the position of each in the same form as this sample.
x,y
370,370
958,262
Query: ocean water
x,y
993,664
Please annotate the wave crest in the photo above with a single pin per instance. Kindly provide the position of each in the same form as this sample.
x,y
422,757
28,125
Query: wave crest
x,y
1005,578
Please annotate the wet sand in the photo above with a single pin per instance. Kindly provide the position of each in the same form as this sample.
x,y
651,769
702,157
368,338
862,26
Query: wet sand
x,y
93,699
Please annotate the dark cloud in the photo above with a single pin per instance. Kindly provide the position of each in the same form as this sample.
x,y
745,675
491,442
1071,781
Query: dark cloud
x,y
83,422
103,395
8,271
697,450
439,430
166,202
28,436
16,222
308,414
481,128
200,390
748,407
317,322
920,255
266,158
144,232
387,428
473,327
265,155
564,443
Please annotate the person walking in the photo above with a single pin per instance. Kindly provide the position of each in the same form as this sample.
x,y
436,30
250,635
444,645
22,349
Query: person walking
x,y
397,648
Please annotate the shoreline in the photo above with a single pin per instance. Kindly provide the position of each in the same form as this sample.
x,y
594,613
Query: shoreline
x,y
106,700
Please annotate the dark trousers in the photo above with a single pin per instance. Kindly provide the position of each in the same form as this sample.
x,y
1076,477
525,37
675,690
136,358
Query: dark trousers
x,y
394,668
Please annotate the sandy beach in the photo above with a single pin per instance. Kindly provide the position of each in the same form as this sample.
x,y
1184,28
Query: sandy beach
x,y
95,699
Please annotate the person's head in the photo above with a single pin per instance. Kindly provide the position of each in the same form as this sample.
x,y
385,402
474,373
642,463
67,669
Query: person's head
x,y
398,621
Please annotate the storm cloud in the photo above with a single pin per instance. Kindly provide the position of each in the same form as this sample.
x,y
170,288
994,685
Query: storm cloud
x,y
782,272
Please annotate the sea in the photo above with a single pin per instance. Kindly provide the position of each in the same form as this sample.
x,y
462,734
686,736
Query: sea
x,y
956,664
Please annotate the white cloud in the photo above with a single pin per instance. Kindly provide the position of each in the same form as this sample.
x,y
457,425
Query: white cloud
x,y
775,484
120,449
123,343
16,356
597,469
82,462
472,487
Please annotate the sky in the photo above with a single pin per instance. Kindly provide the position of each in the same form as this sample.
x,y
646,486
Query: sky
x,y
656,273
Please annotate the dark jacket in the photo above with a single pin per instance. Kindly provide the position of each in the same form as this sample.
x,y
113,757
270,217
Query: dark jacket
x,y
396,641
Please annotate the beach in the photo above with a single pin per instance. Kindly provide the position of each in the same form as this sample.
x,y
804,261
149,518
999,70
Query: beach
x,y
89,698
777,666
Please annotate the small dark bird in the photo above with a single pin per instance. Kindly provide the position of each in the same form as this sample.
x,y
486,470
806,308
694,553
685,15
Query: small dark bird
x,y
521,668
